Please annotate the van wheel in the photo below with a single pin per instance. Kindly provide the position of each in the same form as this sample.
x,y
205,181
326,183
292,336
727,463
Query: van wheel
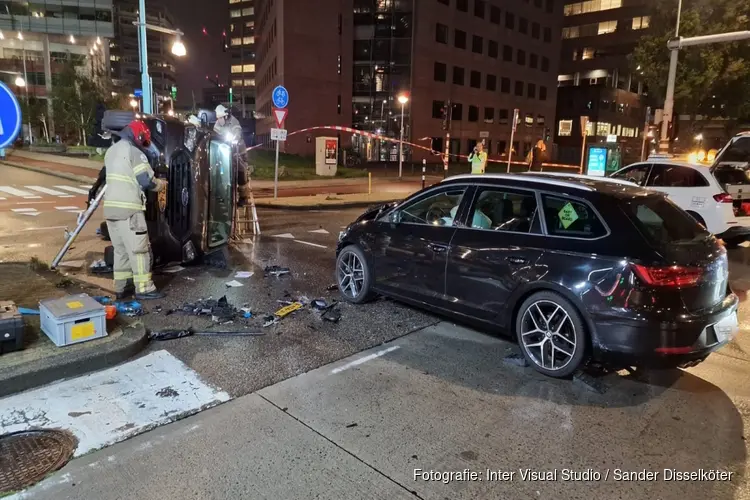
x,y
551,334
697,218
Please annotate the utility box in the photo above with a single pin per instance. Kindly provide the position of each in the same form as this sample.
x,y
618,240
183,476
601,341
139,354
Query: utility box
x,y
72,319
11,327
326,156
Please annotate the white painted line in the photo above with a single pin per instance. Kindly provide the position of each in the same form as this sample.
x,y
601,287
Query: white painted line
x,y
14,192
112,405
67,208
73,189
66,196
23,210
288,236
31,214
365,359
311,244
45,228
319,231
3,199
86,186
32,197
34,202
45,190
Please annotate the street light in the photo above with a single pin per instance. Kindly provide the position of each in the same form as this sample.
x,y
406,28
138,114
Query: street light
x,y
403,99
133,103
699,137
178,49
20,82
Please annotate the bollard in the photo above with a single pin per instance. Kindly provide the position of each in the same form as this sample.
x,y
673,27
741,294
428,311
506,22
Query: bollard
x,y
424,168
369,182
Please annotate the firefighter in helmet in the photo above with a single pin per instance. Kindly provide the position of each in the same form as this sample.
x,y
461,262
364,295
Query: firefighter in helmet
x,y
230,129
128,177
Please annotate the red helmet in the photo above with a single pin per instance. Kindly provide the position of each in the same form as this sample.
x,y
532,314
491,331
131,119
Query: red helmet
x,y
141,133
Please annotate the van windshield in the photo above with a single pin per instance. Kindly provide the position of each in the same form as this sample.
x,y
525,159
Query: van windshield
x,y
663,222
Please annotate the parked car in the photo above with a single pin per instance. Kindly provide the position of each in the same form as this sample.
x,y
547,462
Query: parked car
x,y
703,192
195,215
575,268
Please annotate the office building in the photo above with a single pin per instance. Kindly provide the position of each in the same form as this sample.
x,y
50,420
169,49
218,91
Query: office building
x,y
36,39
241,43
345,62
124,51
596,79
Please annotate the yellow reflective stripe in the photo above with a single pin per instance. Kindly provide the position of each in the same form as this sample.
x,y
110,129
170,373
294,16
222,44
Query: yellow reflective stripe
x,y
122,178
123,204
140,168
142,278
122,275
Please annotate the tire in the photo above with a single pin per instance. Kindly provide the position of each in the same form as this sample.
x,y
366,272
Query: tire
x,y
571,341
353,276
117,120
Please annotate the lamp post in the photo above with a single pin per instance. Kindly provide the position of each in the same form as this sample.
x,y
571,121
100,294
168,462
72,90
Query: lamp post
x,y
669,100
178,49
403,99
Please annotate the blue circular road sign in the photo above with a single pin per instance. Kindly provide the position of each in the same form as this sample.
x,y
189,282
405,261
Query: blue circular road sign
x,y
280,97
10,117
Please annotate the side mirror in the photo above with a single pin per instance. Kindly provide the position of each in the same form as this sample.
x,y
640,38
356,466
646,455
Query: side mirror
x,y
394,217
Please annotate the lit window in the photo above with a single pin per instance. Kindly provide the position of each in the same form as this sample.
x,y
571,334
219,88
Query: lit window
x,y
249,68
603,129
235,1
640,23
571,32
588,53
235,13
577,8
565,128
607,27
236,68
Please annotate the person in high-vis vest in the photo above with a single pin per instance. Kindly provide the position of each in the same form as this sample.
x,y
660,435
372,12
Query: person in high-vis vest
x,y
128,177
478,159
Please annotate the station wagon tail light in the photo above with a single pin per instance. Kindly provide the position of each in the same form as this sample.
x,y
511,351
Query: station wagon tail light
x,y
670,276
723,198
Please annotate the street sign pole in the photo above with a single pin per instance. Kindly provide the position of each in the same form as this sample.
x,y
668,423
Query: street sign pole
x,y
646,126
512,136
280,98
584,131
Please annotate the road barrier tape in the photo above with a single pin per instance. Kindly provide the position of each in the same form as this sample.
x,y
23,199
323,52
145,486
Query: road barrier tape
x,y
418,146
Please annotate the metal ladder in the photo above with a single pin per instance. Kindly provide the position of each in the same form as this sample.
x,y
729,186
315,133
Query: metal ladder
x,y
246,219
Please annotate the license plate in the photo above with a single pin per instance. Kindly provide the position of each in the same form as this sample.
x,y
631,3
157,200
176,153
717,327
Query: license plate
x,y
727,328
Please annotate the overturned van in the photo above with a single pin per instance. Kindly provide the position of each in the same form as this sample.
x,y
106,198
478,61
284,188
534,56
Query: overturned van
x,y
195,215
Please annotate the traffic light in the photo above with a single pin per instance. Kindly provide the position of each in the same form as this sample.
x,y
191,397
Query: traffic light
x,y
174,92
546,134
231,95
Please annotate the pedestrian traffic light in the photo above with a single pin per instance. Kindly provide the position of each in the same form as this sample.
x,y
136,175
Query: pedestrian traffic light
x,y
546,134
174,92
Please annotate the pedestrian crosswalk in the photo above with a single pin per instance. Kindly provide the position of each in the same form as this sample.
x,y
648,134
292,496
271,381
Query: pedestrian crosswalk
x,y
38,192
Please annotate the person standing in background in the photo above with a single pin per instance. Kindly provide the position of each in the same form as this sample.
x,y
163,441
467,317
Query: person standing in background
x,y
538,156
478,159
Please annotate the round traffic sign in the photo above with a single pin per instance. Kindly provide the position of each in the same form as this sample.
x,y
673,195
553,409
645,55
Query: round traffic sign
x,y
10,117
280,97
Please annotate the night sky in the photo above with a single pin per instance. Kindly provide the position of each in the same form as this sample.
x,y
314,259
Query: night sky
x,y
204,54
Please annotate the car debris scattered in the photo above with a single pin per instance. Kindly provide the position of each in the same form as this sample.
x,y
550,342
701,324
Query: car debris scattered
x,y
178,334
276,271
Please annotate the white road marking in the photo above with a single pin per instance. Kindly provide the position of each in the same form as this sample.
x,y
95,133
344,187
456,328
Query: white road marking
x,y
319,231
86,186
73,189
31,214
44,228
23,210
67,208
3,199
15,192
45,190
311,244
34,202
66,196
288,236
32,197
365,359
131,398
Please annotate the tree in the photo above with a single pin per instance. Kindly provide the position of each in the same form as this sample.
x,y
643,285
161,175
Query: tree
x,y
712,80
75,97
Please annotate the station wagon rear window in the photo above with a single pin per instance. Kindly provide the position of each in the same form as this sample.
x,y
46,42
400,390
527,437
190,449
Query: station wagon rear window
x,y
571,218
663,222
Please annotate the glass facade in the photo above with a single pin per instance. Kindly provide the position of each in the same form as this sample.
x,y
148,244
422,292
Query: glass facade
x,y
64,17
383,31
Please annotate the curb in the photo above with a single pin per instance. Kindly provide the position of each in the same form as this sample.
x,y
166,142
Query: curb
x,y
69,364
61,175
324,206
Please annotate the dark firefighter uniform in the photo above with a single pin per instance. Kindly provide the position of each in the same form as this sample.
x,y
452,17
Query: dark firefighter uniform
x,y
128,176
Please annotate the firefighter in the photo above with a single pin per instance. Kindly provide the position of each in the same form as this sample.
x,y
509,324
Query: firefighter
x,y
229,127
128,177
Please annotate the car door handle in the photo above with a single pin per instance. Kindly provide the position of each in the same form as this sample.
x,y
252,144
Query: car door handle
x,y
437,248
513,259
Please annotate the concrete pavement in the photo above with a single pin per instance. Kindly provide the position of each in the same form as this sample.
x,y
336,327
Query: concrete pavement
x,y
393,421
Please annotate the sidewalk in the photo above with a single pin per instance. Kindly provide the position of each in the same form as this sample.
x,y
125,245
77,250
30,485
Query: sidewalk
x,y
330,201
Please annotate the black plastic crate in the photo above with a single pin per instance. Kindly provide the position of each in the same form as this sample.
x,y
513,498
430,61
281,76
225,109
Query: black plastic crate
x,y
11,327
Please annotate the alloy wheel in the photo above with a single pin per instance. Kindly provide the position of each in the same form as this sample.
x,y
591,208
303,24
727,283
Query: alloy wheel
x,y
548,335
351,275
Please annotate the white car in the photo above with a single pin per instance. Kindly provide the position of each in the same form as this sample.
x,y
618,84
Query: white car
x,y
717,197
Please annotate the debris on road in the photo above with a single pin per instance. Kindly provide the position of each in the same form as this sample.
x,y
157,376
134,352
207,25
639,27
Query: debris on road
x,y
332,288
243,274
319,304
221,311
287,310
332,314
178,334
128,308
233,284
100,267
276,271
173,269
24,311
269,320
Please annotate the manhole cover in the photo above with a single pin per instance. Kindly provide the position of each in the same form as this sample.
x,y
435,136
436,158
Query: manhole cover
x,y
27,457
